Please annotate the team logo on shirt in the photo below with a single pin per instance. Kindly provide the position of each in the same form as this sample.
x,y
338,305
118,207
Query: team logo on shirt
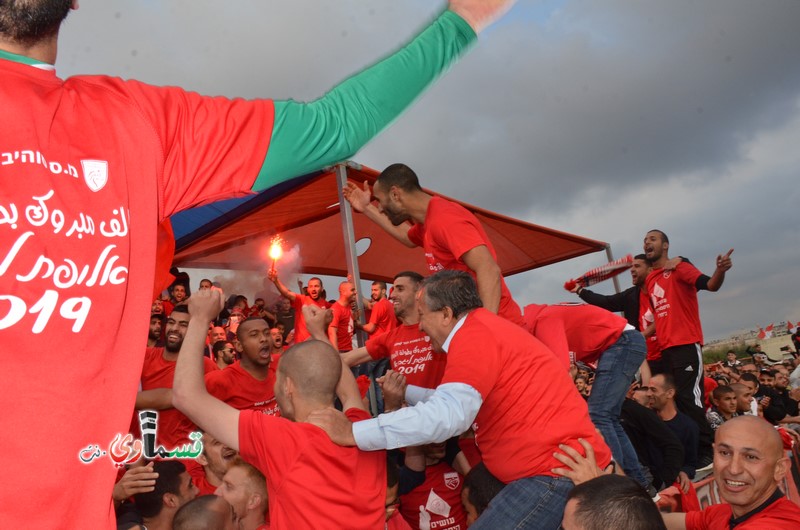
x,y
451,480
95,173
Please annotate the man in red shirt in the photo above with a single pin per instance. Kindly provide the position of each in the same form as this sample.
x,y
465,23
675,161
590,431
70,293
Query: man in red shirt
x,y
245,489
588,334
515,393
248,384
92,166
173,427
350,484
635,305
314,297
749,464
214,462
451,236
673,298
381,315
407,348
340,332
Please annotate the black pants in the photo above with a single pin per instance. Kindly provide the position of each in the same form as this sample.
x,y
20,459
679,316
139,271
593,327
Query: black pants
x,y
685,363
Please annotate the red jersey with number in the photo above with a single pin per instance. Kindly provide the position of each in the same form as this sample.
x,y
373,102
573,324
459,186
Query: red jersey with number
x,y
89,168
409,352
242,391
312,482
782,513
300,331
646,318
382,316
673,297
343,323
449,232
436,501
521,421
173,427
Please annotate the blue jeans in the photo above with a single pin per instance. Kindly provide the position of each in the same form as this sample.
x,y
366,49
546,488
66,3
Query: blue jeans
x,y
535,502
615,372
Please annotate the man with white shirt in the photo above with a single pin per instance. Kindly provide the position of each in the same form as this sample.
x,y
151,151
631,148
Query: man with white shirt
x,y
490,383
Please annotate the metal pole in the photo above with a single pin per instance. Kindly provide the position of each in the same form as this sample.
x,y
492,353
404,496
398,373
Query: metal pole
x,y
351,256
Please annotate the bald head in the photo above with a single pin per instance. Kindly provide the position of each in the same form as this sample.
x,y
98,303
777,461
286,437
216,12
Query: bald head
x,y
754,428
749,462
315,368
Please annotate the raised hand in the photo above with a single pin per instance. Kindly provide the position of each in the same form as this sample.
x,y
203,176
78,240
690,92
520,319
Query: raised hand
x,y
480,13
135,480
359,198
206,304
724,262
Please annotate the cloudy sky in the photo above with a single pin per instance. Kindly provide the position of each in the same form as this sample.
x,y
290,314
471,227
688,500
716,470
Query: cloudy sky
x,y
600,117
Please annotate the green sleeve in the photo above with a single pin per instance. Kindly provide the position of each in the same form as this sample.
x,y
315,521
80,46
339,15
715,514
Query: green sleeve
x,y
310,136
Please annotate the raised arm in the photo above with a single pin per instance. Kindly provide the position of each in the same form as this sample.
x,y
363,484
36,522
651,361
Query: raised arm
x,y
285,292
488,275
361,201
189,394
356,357
724,264
309,136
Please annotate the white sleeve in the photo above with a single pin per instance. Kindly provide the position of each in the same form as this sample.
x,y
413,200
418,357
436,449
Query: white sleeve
x,y
416,394
450,411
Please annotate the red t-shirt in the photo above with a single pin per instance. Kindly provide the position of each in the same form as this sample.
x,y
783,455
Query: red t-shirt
x,y
577,332
409,351
90,166
520,417
382,316
204,487
673,297
782,513
242,391
300,331
645,319
437,500
312,482
343,322
173,426
449,231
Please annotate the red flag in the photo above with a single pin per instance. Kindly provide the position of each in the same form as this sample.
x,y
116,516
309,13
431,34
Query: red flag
x,y
792,327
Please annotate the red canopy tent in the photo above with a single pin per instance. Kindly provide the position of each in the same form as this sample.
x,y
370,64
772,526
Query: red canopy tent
x,y
309,214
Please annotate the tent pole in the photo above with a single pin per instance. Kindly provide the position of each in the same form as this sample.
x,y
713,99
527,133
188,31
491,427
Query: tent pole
x,y
610,257
351,256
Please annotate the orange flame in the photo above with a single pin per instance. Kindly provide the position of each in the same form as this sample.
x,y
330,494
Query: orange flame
x,y
275,250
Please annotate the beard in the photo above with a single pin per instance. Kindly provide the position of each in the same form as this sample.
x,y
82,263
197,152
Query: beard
x,y
173,347
30,21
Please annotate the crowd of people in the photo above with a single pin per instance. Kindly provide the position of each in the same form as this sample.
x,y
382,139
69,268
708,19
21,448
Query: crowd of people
x,y
491,415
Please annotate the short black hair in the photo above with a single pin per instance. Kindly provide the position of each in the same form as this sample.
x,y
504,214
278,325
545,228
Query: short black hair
x,y
415,277
248,319
150,503
663,235
614,501
218,347
398,175
198,515
182,308
482,486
